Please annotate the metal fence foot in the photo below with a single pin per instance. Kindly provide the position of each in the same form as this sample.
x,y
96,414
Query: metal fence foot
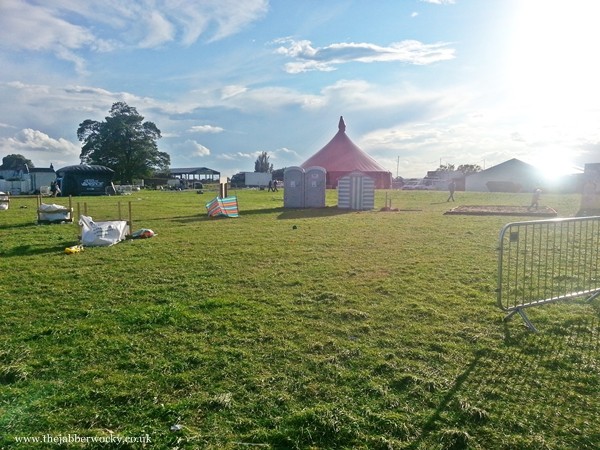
x,y
592,297
526,320
528,323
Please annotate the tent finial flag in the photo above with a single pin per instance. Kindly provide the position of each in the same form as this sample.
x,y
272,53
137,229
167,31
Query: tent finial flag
x,y
342,125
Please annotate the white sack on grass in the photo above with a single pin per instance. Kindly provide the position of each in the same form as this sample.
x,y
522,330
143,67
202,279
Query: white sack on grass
x,y
54,212
94,234
44,207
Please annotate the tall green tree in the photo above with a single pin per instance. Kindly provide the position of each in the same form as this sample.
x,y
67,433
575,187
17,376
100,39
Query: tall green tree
x,y
15,162
123,142
262,163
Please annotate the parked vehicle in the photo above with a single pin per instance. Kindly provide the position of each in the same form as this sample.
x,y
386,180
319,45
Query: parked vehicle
x,y
419,185
410,185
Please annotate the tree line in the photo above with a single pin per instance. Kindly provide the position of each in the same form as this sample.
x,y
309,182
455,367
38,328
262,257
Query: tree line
x,y
127,144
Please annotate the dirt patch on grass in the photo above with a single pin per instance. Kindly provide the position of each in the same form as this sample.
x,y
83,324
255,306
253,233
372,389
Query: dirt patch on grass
x,y
499,210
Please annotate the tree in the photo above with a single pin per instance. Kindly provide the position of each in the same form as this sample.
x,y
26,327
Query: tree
x,y
278,174
464,168
446,168
16,162
262,163
469,168
124,143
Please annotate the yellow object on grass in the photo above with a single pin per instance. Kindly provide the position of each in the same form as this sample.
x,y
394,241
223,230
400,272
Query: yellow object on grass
x,y
74,249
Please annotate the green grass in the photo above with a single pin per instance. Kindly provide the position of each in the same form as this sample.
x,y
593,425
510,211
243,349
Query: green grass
x,y
287,329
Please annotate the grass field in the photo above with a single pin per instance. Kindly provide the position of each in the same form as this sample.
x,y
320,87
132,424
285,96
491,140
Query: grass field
x,y
286,329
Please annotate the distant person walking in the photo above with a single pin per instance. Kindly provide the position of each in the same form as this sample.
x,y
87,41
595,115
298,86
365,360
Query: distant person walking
x,y
275,186
535,200
54,189
451,189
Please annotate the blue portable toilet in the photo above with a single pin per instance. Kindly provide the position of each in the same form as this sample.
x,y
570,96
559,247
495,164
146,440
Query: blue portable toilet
x,y
315,179
293,187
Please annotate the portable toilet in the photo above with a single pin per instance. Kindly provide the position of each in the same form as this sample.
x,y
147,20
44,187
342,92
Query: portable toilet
x,y
356,191
314,187
293,187
590,195
4,201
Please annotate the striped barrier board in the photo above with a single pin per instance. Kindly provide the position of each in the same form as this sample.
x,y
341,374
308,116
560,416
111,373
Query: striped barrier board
x,y
227,207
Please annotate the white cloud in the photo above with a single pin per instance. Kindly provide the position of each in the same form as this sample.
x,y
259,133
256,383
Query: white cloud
x,y
28,140
232,91
243,98
105,26
192,148
162,30
308,58
205,129
27,26
439,2
287,151
231,16
60,106
237,155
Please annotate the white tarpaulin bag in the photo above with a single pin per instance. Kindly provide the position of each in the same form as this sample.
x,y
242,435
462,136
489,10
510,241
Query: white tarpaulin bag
x,y
95,234
53,213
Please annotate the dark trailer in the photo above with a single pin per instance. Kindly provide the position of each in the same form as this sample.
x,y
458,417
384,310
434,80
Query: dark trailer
x,y
84,179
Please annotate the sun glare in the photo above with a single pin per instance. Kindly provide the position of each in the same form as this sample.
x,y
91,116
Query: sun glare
x,y
553,78
553,163
553,53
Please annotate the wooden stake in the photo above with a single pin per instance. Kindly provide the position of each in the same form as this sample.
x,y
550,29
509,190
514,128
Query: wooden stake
x,y
130,220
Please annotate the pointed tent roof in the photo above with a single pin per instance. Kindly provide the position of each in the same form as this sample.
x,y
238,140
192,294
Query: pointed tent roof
x,y
342,155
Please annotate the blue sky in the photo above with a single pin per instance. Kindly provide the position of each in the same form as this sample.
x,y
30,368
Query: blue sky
x,y
418,82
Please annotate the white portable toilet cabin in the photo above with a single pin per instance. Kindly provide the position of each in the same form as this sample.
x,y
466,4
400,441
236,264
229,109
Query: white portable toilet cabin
x,y
356,191
4,201
293,187
315,179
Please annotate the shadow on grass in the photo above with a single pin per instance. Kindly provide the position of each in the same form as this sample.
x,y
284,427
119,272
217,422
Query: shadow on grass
x,y
29,250
313,212
283,214
18,225
531,367
430,425
295,213
185,219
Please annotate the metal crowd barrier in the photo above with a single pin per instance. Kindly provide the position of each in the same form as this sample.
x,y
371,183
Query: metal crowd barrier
x,y
546,261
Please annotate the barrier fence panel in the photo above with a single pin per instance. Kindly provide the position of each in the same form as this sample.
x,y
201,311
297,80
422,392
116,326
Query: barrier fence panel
x,y
546,261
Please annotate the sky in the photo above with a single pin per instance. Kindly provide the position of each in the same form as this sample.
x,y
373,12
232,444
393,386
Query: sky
x,y
420,83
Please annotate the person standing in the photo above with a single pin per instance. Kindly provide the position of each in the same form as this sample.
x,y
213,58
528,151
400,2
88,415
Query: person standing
x,y
451,189
535,200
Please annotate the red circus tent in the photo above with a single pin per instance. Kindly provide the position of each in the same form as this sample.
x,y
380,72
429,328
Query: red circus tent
x,y
341,156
